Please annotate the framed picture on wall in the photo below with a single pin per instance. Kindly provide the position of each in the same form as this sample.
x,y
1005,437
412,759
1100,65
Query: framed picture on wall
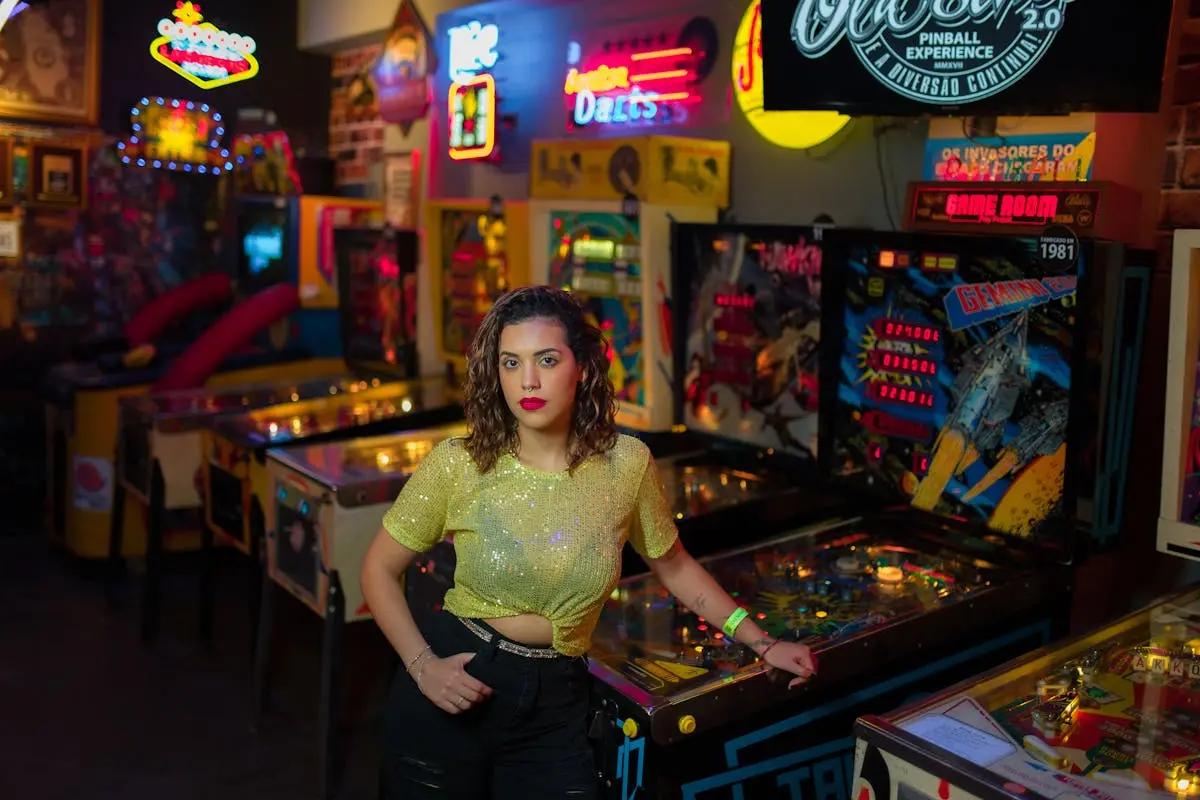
x,y
52,70
401,188
57,175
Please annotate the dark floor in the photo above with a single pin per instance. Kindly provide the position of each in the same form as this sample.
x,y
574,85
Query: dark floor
x,y
88,712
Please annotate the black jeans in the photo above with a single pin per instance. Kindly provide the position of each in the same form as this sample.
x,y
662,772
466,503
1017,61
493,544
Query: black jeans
x,y
528,740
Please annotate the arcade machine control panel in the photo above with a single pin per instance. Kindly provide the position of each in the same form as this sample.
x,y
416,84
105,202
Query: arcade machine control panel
x,y
949,369
1111,715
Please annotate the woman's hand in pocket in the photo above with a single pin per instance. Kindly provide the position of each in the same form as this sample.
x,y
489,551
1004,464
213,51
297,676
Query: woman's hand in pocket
x,y
446,684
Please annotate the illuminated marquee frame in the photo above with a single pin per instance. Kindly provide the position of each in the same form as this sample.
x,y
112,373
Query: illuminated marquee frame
x,y
631,93
138,148
1097,209
189,40
483,87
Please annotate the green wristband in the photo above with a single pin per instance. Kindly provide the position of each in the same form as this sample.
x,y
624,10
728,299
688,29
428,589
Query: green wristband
x,y
731,625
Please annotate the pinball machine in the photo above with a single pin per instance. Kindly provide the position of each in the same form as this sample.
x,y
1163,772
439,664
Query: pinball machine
x,y
956,411
159,465
1110,715
377,303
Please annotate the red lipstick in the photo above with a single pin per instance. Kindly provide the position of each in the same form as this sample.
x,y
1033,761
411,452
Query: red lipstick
x,y
532,403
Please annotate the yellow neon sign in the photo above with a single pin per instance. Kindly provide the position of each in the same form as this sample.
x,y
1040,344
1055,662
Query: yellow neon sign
x,y
201,52
601,79
472,106
795,130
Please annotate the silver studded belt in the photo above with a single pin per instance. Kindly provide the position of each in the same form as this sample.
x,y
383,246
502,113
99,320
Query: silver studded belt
x,y
506,645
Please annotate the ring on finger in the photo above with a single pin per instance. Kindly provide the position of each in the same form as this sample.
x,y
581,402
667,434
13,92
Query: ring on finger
x,y
462,702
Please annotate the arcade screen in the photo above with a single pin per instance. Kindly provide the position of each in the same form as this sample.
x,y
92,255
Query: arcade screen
x,y
262,230
474,272
598,257
377,270
750,297
954,379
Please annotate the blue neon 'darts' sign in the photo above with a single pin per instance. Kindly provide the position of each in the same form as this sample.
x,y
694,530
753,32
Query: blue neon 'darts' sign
x,y
621,108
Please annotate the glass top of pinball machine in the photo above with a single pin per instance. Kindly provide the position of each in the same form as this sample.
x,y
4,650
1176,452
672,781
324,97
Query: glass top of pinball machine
x,y
699,488
359,404
814,586
364,461
1114,713
208,402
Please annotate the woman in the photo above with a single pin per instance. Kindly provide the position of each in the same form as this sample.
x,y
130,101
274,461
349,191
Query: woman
x,y
540,496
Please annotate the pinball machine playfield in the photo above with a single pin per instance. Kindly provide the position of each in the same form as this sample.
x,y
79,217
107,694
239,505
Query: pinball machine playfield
x,y
1112,715
951,368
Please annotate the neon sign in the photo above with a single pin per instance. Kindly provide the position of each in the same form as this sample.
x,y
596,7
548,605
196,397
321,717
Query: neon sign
x,y
200,51
472,48
176,134
651,88
795,130
472,105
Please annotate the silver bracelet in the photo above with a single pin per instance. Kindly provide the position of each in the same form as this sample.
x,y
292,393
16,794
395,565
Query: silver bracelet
x,y
417,658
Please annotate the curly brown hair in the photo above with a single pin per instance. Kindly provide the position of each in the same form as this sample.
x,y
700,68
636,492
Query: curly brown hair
x,y
493,428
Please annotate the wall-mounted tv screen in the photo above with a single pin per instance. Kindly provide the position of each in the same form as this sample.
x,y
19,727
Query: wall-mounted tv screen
x,y
264,249
983,57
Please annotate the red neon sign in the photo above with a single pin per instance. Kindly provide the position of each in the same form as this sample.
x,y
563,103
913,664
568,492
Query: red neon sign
x,y
1004,208
647,87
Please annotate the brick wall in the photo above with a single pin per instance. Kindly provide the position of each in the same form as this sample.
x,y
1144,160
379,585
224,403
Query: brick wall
x,y
1180,201
355,129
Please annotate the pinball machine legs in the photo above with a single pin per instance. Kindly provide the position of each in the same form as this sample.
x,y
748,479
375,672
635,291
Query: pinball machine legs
x,y
329,694
208,557
256,564
328,743
256,568
262,648
156,524
116,542
155,532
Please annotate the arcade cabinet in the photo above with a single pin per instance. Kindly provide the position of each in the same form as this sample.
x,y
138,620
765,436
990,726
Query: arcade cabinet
x,y
1110,714
961,415
477,250
600,225
284,227
291,239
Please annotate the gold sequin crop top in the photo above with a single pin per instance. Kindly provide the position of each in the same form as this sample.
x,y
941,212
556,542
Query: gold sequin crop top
x,y
532,542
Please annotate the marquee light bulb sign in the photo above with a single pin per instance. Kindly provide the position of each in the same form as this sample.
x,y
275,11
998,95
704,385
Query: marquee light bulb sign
x,y
178,135
200,51
795,130
648,87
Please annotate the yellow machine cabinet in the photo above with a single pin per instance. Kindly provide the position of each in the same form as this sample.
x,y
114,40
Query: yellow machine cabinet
x,y
474,256
587,236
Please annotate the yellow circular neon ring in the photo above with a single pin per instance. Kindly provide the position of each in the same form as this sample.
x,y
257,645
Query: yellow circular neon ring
x,y
795,130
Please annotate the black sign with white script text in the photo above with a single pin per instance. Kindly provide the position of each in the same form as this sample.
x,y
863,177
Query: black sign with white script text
x,y
986,56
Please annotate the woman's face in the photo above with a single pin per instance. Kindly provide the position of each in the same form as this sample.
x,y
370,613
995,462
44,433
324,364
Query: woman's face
x,y
538,374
